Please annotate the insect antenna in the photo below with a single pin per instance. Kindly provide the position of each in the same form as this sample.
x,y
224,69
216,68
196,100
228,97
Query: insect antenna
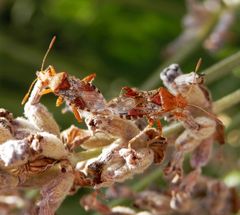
x,y
198,65
47,52
44,59
28,92
195,73
213,116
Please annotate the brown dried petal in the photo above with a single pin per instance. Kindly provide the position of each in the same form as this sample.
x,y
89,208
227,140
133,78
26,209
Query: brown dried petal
x,y
202,153
54,192
116,164
6,114
155,202
23,128
5,134
120,128
159,148
125,164
7,181
122,210
90,202
190,139
74,137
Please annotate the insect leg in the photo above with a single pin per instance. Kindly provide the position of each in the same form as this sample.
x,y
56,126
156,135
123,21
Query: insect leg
x,y
89,78
59,101
46,91
76,113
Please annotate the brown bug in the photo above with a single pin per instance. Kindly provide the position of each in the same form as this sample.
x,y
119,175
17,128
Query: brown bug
x,y
80,95
154,104
161,103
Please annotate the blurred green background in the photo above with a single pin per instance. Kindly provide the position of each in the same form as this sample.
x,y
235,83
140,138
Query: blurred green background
x,y
122,41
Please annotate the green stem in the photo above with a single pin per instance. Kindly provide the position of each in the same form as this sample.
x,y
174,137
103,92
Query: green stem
x,y
222,68
172,129
144,182
234,123
84,155
226,102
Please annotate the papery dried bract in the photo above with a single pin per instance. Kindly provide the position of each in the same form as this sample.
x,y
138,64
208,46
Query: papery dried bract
x,y
152,201
41,118
54,192
14,152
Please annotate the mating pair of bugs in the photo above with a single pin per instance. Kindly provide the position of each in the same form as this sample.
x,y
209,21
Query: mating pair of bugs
x,y
85,100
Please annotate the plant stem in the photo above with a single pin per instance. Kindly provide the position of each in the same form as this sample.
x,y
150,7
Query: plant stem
x,y
222,68
172,129
84,155
234,123
226,102
145,180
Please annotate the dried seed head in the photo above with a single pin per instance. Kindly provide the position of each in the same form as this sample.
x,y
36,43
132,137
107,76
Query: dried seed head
x,y
6,128
23,128
6,114
114,126
150,137
116,164
100,139
80,180
48,145
14,152
144,213
41,118
124,164
91,202
202,153
5,131
122,210
180,202
7,181
119,191
157,203
74,137
12,202
137,160
190,139
54,192
33,168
